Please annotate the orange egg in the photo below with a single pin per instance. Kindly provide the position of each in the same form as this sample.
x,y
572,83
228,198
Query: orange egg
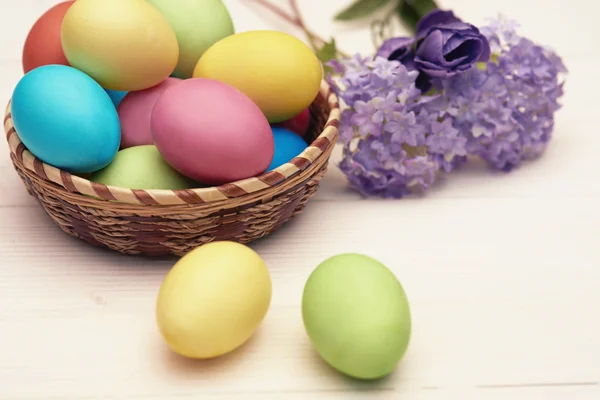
x,y
43,45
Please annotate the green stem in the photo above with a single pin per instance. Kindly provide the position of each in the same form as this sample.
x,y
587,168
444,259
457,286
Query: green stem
x,y
422,7
302,25
314,39
381,29
411,11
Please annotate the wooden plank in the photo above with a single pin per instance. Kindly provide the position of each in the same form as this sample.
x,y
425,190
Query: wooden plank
x,y
498,292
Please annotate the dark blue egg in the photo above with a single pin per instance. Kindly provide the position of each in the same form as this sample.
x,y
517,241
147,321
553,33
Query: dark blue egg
x,y
288,145
66,119
116,96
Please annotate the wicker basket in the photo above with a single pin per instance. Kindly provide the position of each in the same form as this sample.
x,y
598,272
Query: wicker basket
x,y
166,222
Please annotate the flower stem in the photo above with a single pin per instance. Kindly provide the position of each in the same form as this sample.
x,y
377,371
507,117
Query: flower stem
x,y
300,21
422,7
411,11
296,20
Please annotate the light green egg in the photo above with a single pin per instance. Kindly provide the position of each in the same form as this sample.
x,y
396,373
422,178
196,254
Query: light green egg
x,y
198,24
357,316
141,167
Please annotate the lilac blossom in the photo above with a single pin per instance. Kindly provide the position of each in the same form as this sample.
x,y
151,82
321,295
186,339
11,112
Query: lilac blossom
x,y
506,107
391,145
397,139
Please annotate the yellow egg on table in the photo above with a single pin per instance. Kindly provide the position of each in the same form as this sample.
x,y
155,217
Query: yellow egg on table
x,y
213,300
279,72
125,45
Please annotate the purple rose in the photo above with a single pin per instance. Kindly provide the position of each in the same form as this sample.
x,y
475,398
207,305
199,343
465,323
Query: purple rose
x,y
443,46
447,46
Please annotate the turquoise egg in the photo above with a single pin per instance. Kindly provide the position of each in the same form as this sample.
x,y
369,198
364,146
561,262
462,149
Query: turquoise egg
x,y
66,119
116,96
288,145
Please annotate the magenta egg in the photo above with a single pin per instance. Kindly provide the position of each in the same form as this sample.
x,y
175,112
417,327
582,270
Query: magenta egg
x,y
211,132
135,112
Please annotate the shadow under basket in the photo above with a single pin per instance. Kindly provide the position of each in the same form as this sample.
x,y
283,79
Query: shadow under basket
x,y
167,222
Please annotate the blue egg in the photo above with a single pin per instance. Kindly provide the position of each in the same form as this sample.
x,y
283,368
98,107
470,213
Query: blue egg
x,y
287,146
116,96
66,119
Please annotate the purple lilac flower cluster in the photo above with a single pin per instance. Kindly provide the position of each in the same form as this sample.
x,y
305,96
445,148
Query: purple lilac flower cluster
x,y
390,141
396,138
511,102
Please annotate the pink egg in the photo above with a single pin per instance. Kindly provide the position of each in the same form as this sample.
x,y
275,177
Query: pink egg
x,y
135,112
298,124
212,132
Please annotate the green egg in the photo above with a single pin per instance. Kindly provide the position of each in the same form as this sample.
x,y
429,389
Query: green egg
x,y
141,167
357,316
198,24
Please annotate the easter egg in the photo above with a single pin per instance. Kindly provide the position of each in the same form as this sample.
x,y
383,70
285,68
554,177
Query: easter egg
x,y
298,124
43,45
198,24
357,316
213,300
124,45
66,119
211,132
287,146
280,73
135,112
141,167
116,96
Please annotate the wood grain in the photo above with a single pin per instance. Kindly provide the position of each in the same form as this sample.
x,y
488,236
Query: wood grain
x,y
502,270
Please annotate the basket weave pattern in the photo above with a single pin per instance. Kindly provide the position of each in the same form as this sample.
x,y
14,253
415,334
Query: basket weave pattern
x,y
167,222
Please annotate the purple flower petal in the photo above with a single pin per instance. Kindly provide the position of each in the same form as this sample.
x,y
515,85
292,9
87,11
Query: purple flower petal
x,y
435,17
431,49
468,46
444,50
485,51
395,48
505,111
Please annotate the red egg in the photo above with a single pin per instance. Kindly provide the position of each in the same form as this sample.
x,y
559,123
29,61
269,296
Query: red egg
x,y
298,124
43,44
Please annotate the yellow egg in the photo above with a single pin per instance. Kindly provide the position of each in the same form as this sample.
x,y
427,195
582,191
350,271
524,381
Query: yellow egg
x,y
213,300
125,45
280,73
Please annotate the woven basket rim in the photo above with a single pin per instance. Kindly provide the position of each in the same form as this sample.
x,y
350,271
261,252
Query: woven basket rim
x,y
316,153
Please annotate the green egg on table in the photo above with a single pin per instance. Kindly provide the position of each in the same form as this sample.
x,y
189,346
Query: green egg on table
x,y
198,24
141,167
357,316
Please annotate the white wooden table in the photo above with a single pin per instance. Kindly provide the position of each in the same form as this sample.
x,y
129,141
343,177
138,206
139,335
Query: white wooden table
x,y
502,271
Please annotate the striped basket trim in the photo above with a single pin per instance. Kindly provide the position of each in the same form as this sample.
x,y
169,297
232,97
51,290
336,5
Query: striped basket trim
x,y
75,184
